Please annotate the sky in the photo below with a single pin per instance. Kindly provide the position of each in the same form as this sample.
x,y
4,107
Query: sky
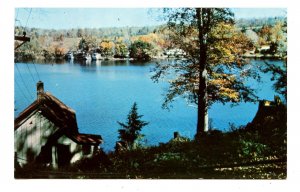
x,y
66,18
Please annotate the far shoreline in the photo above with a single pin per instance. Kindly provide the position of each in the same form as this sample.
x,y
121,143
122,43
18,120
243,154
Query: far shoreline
x,y
42,60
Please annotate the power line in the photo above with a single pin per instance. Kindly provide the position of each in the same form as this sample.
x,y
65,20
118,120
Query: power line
x,y
26,9
16,19
25,85
22,92
36,70
30,73
28,18
18,70
32,59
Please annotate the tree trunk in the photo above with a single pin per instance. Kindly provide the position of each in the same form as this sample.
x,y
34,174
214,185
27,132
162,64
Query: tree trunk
x,y
202,124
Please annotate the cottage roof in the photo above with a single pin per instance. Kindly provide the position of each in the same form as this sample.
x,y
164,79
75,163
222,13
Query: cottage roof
x,y
60,114
86,138
54,110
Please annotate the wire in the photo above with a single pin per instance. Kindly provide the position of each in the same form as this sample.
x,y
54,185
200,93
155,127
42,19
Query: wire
x,y
25,85
22,92
17,14
36,70
30,73
16,19
32,58
27,19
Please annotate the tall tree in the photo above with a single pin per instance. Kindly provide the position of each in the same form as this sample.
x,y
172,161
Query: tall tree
x,y
130,130
212,70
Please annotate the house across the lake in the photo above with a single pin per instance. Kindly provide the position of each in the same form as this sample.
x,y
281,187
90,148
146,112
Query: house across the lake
x,y
46,133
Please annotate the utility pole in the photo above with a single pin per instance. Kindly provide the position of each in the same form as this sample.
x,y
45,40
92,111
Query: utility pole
x,y
23,38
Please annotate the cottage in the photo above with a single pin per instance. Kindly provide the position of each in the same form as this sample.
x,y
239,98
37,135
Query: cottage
x,y
270,118
46,133
268,109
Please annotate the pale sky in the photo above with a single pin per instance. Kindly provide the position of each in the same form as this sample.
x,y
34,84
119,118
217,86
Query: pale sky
x,y
66,18
258,12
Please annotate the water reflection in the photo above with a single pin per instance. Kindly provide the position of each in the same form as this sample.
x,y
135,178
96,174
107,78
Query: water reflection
x,y
98,63
104,63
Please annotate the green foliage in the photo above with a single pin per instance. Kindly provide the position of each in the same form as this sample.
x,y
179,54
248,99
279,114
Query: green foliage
x,y
98,162
273,48
251,152
87,43
279,76
255,23
251,148
121,50
268,30
213,69
168,156
107,48
182,157
179,140
130,130
141,50
225,46
276,37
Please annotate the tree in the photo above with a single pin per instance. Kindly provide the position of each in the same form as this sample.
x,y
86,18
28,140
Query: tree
x,y
59,51
130,131
280,77
252,36
87,43
211,71
265,34
121,50
107,48
279,74
141,50
79,33
279,38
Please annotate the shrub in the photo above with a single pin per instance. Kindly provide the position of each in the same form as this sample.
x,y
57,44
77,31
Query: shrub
x,y
141,50
251,148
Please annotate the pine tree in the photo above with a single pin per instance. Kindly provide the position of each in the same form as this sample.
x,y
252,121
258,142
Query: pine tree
x,y
130,130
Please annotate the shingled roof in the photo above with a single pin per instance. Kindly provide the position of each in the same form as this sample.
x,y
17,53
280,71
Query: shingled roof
x,y
57,112
86,138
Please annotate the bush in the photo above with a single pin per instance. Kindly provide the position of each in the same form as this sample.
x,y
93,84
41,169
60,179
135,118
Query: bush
x,y
141,50
121,50
251,148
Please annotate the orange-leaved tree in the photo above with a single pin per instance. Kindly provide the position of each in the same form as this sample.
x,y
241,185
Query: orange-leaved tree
x,y
213,69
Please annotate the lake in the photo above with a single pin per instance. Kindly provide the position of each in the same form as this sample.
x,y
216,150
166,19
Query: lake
x,y
103,92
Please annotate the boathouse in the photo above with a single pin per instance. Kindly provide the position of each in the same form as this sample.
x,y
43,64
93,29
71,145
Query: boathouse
x,y
46,133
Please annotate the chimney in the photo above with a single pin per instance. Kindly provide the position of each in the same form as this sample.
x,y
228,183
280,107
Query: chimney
x,y
176,135
40,90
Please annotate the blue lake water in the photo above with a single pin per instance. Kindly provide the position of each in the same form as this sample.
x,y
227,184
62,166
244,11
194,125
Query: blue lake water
x,y
103,92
